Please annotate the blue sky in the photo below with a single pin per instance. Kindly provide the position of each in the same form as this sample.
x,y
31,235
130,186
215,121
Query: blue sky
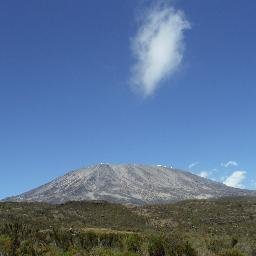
x,y
81,82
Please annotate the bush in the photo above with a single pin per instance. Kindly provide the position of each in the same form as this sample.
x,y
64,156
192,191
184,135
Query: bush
x,y
232,252
26,248
156,246
107,252
234,242
110,240
175,247
216,245
63,239
5,245
88,240
188,250
133,243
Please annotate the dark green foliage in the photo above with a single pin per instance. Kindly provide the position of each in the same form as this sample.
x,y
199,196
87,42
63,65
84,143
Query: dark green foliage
x,y
62,238
189,250
88,240
26,248
98,242
225,227
133,243
73,214
156,246
110,240
227,216
253,252
234,242
232,252
5,245
217,244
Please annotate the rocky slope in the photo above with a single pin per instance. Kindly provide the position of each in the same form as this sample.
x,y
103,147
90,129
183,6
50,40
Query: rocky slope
x,y
128,183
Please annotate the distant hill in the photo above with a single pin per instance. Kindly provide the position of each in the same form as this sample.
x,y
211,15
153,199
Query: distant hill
x,y
128,184
91,214
230,216
224,216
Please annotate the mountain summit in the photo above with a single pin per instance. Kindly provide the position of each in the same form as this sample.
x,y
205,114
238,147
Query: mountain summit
x,y
129,183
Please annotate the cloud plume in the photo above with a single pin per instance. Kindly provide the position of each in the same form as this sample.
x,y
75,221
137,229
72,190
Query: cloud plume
x,y
157,47
229,163
193,165
204,174
235,179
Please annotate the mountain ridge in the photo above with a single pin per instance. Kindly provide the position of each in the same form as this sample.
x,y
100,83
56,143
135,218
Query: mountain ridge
x,y
128,184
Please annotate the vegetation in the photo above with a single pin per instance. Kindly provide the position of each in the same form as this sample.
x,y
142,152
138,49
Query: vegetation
x,y
225,227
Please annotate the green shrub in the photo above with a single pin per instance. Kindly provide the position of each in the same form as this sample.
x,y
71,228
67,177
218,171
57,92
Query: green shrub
x,y
218,244
156,246
88,240
5,245
232,252
99,251
176,246
133,243
110,240
234,242
26,248
63,239
188,250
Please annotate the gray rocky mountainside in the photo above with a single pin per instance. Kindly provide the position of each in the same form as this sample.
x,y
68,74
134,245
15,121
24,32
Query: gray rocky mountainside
x,y
129,184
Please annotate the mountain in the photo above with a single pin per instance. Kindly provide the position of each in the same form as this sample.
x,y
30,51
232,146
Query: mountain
x,y
129,184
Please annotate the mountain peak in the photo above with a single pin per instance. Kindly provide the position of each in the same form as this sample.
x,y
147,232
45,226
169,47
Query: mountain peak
x,y
128,183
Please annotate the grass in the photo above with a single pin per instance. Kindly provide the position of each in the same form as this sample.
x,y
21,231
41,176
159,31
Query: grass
x,y
220,216
74,215
189,228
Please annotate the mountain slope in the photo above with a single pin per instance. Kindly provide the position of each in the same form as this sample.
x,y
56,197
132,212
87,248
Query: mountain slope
x,y
136,184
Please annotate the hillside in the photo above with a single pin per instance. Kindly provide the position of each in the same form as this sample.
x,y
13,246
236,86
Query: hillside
x,y
213,216
129,184
196,227
73,214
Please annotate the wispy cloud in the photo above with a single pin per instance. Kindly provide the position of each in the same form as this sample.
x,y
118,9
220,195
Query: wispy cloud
x,y
193,165
208,174
157,47
204,174
235,179
229,163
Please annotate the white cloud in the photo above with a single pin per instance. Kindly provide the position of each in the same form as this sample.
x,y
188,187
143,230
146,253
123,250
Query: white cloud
x,y
204,174
157,47
229,163
235,179
207,174
193,165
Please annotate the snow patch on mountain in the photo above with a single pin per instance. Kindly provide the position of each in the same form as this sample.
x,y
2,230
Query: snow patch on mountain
x,y
129,183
